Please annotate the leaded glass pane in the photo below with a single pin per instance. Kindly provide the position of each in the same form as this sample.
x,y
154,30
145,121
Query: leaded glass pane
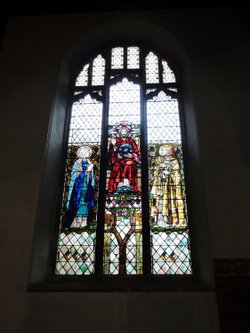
x,y
124,102
163,119
98,71
76,253
168,212
85,122
123,225
82,79
133,61
152,68
117,59
170,253
77,234
167,75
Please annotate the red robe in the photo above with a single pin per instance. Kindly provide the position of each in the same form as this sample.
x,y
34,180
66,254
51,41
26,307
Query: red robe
x,y
123,166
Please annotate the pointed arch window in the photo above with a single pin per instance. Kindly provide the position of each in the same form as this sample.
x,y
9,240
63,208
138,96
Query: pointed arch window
x,y
124,208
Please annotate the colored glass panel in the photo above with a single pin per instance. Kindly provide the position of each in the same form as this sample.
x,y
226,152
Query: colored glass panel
x,y
77,232
168,212
123,234
123,224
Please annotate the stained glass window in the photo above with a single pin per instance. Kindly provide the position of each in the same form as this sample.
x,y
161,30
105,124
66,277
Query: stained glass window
x,y
125,141
123,225
76,245
168,211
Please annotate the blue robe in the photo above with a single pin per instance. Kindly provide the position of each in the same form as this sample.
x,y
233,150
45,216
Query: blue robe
x,y
81,193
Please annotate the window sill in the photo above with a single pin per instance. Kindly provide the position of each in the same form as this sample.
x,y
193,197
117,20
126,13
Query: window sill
x,y
120,284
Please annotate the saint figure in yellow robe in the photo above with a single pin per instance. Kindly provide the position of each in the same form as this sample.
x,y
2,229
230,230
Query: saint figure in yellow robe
x,y
168,201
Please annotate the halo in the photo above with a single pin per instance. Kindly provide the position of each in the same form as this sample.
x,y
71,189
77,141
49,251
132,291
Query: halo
x,y
124,124
82,149
167,145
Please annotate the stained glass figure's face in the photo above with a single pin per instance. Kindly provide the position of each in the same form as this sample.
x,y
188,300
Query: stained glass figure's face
x,y
123,132
166,150
84,152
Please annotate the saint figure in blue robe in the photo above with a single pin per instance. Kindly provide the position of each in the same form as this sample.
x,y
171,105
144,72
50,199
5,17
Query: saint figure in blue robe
x,y
80,198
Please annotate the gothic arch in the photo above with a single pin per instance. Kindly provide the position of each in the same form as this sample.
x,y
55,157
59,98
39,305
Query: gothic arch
x,y
87,42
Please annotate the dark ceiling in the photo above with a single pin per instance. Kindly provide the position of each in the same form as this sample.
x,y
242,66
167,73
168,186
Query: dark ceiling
x,y
46,7
16,8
